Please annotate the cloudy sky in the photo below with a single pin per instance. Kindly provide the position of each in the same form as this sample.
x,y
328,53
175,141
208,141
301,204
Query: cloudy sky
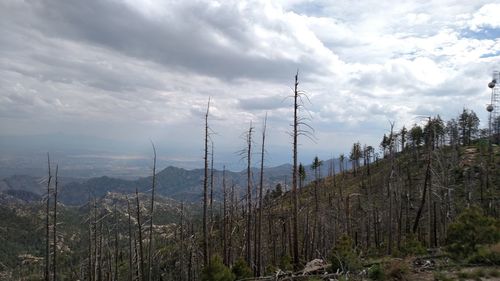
x,y
106,76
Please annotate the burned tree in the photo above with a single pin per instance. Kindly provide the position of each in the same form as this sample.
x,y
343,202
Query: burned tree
x,y
151,215
54,230
261,187
248,246
205,193
298,123
47,225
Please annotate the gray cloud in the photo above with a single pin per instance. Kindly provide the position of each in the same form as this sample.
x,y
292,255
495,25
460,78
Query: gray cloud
x,y
128,70
191,36
262,103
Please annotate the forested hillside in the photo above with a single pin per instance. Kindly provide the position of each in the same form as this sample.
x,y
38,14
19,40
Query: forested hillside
x,y
432,189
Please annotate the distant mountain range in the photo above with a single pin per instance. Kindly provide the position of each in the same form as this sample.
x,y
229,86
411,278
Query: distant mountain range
x,y
172,182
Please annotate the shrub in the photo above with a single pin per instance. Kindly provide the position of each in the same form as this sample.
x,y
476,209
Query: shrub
x,y
412,247
270,269
241,269
376,272
216,271
286,263
397,270
344,257
489,255
470,230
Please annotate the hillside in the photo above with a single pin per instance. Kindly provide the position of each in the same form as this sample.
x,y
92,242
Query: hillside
x,y
22,231
374,206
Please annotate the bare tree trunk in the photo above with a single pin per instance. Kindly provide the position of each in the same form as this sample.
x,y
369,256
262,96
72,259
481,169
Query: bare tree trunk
x,y
249,198
97,241
139,226
435,238
90,264
427,185
261,187
294,177
190,262
47,226
333,172
96,262
211,202
130,241
422,202
151,215
316,227
182,275
116,244
231,222
205,194
212,184
224,216
54,230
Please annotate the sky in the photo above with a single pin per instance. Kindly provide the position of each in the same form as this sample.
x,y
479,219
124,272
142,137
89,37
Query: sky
x,y
103,78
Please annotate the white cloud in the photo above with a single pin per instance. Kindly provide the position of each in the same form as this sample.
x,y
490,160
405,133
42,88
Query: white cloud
x,y
486,17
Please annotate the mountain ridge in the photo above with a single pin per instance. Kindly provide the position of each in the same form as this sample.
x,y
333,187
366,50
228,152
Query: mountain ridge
x,y
172,182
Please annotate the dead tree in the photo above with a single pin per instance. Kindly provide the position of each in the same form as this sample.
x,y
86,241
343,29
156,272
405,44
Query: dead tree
x,y
90,265
130,241
225,219
115,230
211,182
54,228
248,246
294,177
316,166
139,230
205,193
47,226
298,123
182,242
232,210
151,215
261,187
391,189
427,183
96,248
94,224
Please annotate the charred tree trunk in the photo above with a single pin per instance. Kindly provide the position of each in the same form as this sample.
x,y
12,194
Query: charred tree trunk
x,y
225,219
90,264
54,230
130,241
151,215
182,275
211,184
295,197
47,226
205,194
261,187
116,245
249,198
427,184
139,231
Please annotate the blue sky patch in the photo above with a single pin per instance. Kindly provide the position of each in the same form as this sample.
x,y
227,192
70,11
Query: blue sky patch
x,y
482,34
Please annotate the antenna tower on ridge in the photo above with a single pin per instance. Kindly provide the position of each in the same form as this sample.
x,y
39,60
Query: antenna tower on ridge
x,y
494,107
